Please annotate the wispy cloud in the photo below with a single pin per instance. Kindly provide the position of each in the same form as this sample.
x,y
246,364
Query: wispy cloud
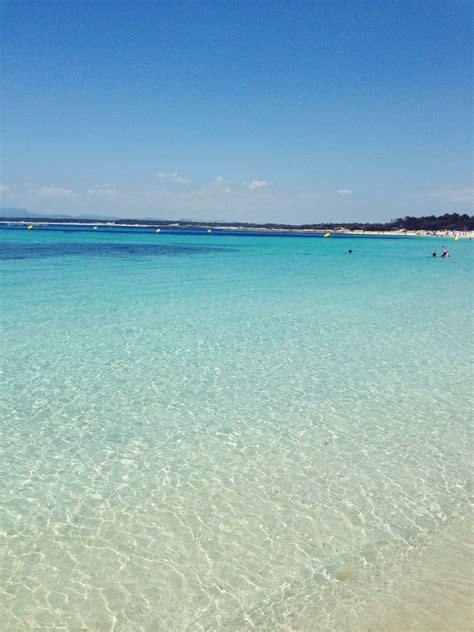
x,y
344,191
257,184
53,191
107,190
174,176
454,195
4,188
221,184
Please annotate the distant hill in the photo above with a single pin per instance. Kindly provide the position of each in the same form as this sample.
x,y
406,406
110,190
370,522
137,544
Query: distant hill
x,y
15,212
20,213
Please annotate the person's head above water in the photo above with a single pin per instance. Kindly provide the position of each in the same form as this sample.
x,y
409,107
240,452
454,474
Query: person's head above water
x,y
434,254
349,251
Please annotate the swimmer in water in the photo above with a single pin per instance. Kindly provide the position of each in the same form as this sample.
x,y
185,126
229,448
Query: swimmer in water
x,y
349,251
434,254
445,254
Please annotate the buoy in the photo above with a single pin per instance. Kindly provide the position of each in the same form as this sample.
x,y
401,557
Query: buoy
x,y
30,227
209,231
158,230
327,235
456,237
94,228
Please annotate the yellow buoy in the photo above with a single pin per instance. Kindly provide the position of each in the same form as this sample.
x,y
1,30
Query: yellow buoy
x,y
209,231
456,237
158,230
30,227
327,235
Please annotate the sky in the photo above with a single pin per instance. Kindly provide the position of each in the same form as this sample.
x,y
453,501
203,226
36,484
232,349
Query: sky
x,y
256,111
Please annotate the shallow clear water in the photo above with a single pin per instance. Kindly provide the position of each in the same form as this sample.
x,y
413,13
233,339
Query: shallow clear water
x,y
205,432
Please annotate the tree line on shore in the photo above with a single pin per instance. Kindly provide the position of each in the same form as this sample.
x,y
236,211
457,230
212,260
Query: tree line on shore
x,y
446,222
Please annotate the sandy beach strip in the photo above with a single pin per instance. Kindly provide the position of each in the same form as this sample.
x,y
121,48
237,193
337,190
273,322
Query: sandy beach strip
x,y
329,232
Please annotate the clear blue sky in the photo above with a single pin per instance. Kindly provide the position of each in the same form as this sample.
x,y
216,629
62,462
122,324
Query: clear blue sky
x,y
286,111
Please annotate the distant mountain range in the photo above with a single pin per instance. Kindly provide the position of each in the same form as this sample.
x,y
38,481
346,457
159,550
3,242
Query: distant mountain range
x,y
23,213
20,213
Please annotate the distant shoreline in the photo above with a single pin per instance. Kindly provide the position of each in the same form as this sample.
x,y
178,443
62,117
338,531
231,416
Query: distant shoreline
x,y
264,229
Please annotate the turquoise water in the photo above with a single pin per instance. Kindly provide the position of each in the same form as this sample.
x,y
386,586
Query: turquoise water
x,y
223,432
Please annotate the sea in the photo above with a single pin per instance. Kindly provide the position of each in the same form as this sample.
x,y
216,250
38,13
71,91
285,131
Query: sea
x,y
234,431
